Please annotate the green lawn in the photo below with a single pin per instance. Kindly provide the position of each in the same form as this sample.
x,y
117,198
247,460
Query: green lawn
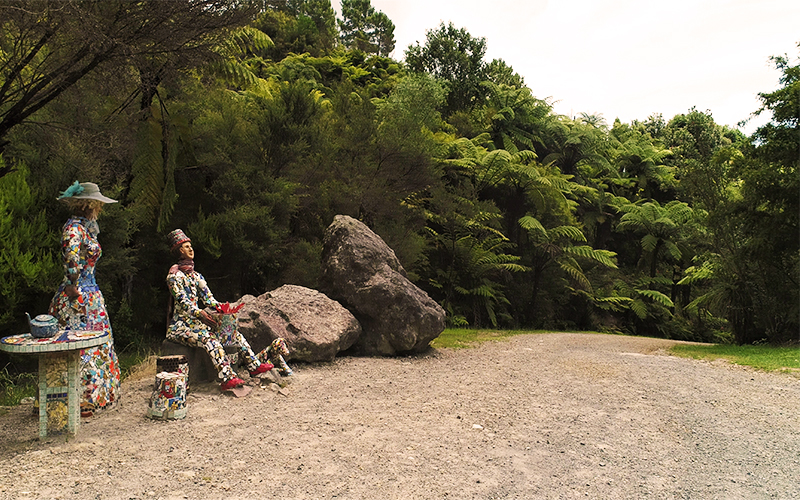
x,y
766,358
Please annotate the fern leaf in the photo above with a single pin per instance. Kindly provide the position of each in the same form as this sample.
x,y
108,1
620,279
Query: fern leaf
x,y
531,224
571,232
604,257
657,297
576,274
649,243
639,308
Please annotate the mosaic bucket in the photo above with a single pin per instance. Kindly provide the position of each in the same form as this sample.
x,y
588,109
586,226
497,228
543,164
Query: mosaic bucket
x,y
174,364
227,325
168,401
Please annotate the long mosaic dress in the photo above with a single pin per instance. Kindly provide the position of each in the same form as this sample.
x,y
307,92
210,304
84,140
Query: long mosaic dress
x,y
185,327
99,366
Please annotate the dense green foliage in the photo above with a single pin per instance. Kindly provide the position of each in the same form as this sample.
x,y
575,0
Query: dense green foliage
x,y
506,213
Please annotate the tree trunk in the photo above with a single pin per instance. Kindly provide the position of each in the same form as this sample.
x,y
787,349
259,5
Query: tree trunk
x,y
654,261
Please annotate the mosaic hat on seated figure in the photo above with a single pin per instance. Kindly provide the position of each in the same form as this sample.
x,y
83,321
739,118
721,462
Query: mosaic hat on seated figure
x,y
177,238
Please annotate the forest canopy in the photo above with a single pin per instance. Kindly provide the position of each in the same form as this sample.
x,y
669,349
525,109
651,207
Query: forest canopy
x,y
251,124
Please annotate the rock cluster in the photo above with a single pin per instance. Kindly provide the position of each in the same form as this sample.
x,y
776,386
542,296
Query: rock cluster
x,y
369,306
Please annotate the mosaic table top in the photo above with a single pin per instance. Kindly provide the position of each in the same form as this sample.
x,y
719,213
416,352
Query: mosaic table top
x,y
65,341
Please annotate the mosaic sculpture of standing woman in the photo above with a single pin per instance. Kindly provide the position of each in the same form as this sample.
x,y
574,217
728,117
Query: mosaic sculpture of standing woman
x,y
78,303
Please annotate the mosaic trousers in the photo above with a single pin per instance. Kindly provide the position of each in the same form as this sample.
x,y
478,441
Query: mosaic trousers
x,y
207,340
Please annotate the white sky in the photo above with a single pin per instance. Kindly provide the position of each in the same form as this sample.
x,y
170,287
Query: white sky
x,y
623,59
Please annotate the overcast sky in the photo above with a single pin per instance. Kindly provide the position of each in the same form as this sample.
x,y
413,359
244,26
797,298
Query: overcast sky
x,y
623,59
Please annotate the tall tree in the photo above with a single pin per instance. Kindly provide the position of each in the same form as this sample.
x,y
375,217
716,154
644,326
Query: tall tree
x,y
298,26
455,57
770,210
639,159
46,46
500,73
365,29
555,247
27,259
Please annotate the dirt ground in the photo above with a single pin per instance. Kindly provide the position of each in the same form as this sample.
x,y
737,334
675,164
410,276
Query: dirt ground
x,y
538,416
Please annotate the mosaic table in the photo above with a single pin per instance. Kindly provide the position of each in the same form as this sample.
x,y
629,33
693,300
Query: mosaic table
x,y
50,350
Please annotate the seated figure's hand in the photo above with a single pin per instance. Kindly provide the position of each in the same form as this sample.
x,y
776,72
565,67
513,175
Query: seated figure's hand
x,y
207,319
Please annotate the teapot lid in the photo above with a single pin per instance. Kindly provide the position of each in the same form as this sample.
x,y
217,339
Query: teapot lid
x,y
45,318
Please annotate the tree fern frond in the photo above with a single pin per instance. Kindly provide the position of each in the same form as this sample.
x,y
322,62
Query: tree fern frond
x,y
615,300
696,274
576,274
514,268
147,185
604,257
639,308
531,224
657,297
169,195
649,242
571,232
673,250
525,156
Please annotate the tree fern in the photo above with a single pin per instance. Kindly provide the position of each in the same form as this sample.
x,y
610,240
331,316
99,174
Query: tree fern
x,y
147,185
240,58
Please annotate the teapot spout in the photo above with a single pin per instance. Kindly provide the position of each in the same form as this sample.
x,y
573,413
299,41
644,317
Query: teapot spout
x,y
29,318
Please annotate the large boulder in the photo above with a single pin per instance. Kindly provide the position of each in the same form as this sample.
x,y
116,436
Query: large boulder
x,y
360,271
314,327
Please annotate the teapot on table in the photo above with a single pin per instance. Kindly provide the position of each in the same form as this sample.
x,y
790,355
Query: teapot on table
x,y
43,326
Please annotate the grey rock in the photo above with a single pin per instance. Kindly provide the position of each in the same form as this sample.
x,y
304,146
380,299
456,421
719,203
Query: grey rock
x,y
360,271
272,377
314,327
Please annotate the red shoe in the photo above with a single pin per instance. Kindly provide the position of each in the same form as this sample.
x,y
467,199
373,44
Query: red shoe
x,y
262,368
230,384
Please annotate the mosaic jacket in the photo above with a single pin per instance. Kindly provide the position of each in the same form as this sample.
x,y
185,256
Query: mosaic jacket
x,y
189,289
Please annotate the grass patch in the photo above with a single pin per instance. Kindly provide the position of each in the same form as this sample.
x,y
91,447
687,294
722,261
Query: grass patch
x,y
460,338
761,357
133,363
15,387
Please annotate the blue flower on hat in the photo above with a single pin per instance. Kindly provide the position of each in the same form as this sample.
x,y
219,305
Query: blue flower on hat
x,y
74,189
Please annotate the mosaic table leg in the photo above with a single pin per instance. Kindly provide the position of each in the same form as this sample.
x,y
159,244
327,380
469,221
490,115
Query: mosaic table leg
x,y
73,401
72,390
42,396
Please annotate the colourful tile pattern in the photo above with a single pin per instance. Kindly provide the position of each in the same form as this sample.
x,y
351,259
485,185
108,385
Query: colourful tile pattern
x,y
189,289
100,374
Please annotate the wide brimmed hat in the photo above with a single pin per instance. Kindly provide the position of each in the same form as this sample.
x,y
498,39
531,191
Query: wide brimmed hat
x,y
84,191
177,238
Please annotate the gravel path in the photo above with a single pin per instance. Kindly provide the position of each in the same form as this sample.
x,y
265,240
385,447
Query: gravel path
x,y
538,416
